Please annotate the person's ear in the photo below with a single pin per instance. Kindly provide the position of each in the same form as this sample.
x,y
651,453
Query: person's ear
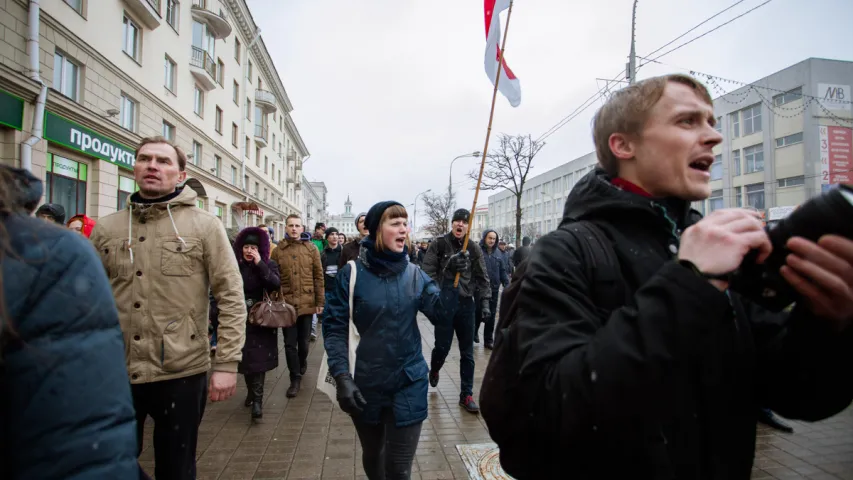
x,y
622,146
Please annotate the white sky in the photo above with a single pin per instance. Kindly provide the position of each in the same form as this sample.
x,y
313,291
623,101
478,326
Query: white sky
x,y
387,92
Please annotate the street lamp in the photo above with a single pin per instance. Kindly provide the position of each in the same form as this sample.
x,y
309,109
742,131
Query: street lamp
x,y
450,175
415,216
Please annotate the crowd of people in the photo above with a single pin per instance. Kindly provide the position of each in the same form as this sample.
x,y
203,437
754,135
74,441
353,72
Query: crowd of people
x,y
622,350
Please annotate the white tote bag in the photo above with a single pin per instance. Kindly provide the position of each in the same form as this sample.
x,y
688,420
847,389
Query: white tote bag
x,y
325,381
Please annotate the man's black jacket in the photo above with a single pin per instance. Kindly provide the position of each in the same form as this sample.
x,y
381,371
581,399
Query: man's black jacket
x,y
668,385
435,265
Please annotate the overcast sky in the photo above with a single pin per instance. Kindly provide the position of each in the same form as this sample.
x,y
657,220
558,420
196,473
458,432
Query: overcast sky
x,y
387,92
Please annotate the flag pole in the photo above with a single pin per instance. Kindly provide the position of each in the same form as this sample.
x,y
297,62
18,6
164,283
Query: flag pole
x,y
488,135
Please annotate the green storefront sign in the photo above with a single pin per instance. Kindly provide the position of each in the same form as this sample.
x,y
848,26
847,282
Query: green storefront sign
x,y
11,111
76,137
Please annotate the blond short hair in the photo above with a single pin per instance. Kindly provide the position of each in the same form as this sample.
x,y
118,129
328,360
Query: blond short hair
x,y
628,110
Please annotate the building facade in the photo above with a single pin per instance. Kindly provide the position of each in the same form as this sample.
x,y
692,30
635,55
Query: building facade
x,y
345,222
314,203
117,71
481,222
786,138
541,201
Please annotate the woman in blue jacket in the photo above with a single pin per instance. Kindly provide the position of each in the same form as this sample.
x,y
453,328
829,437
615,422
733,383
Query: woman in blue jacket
x,y
65,405
388,397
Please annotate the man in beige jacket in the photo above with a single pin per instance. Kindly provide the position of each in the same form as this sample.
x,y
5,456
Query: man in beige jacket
x,y
162,254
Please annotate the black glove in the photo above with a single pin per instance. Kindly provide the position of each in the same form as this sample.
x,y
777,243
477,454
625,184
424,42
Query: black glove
x,y
484,307
349,396
459,263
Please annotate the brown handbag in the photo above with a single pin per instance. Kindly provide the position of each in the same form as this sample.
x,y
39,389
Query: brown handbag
x,y
272,312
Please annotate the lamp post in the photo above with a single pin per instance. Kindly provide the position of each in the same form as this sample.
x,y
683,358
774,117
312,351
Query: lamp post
x,y
415,216
450,174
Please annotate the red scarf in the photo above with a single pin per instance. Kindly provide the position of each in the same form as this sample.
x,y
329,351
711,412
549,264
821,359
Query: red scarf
x,y
630,187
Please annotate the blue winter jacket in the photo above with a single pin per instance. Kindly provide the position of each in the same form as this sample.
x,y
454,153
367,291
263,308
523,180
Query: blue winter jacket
x,y
495,263
390,369
65,409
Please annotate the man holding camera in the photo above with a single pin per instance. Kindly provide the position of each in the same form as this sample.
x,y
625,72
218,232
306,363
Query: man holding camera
x,y
665,378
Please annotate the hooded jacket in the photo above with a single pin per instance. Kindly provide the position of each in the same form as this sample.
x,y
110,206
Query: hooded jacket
x,y
88,224
667,382
301,273
349,251
435,265
162,258
65,410
495,263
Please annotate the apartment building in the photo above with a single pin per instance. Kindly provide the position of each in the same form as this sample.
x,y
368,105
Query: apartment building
x,y
481,222
786,137
541,201
194,71
314,203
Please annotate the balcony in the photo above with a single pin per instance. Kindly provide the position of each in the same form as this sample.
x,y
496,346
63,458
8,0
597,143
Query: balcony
x,y
147,11
203,68
261,135
217,25
265,101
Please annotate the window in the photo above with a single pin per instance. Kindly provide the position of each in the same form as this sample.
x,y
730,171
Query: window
x,y
66,76
217,165
736,162
755,196
266,165
246,150
127,112
126,187
198,101
258,157
715,201
219,211
168,131
788,97
65,184
248,109
718,126
735,118
196,153
738,200
218,120
77,5
130,43
752,120
173,7
789,140
234,133
220,72
249,75
169,80
273,135
717,168
237,50
200,204
245,182
754,157
233,175
792,181
257,189
265,194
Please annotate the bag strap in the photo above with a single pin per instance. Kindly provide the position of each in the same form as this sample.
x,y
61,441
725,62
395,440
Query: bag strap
x,y
352,275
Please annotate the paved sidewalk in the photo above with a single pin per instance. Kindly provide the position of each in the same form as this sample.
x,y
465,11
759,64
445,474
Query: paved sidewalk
x,y
306,438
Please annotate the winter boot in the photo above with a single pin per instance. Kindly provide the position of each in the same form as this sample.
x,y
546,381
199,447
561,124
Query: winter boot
x,y
295,383
258,396
248,377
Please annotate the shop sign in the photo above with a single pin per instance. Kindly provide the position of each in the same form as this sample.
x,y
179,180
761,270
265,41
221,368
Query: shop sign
x,y
11,111
778,213
836,154
65,167
77,137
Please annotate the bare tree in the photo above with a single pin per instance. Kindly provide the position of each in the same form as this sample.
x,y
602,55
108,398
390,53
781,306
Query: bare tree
x,y
506,233
530,230
439,211
507,167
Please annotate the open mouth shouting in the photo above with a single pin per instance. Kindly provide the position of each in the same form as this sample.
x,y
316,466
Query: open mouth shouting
x,y
400,242
702,165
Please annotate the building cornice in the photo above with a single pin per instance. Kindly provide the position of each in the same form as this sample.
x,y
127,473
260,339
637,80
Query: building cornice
x,y
294,134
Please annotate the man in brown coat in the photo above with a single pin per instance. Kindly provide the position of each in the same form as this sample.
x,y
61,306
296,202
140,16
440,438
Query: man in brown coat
x,y
301,273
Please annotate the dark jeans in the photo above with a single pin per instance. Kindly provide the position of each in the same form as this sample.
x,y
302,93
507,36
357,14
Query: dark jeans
x,y
387,450
177,407
460,318
489,330
296,345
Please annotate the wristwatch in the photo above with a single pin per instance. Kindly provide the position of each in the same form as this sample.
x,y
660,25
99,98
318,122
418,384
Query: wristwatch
x,y
709,276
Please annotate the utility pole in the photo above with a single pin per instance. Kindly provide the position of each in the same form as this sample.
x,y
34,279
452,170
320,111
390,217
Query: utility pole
x,y
631,72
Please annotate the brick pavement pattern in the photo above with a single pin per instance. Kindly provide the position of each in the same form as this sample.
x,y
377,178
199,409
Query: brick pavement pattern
x,y
307,438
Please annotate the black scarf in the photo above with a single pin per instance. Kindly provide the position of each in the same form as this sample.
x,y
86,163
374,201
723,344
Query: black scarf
x,y
384,262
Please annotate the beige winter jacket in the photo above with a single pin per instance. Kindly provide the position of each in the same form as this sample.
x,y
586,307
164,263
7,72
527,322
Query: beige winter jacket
x,y
301,272
161,260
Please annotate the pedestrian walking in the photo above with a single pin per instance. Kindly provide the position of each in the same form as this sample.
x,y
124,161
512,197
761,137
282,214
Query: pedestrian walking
x,y
81,224
443,260
65,408
522,252
53,212
352,249
507,257
388,397
329,258
496,269
301,274
260,279
163,255
629,357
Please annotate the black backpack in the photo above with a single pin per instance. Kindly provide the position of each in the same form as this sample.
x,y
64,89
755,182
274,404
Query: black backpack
x,y
499,393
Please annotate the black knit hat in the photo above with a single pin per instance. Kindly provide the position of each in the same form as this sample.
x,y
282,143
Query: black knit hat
x,y
330,231
374,215
461,214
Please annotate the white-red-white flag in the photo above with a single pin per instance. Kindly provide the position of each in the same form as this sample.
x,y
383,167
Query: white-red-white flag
x,y
509,85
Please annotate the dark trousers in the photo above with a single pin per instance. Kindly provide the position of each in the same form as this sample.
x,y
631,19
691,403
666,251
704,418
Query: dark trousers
x,y
177,407
460,318
489,330
387,450
296,345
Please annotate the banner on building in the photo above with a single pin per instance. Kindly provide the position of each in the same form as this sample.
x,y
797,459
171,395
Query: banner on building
x,y
836,155
69,134
11,111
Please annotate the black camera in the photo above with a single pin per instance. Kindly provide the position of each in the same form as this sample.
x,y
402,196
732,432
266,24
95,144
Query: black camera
x,y
829,213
